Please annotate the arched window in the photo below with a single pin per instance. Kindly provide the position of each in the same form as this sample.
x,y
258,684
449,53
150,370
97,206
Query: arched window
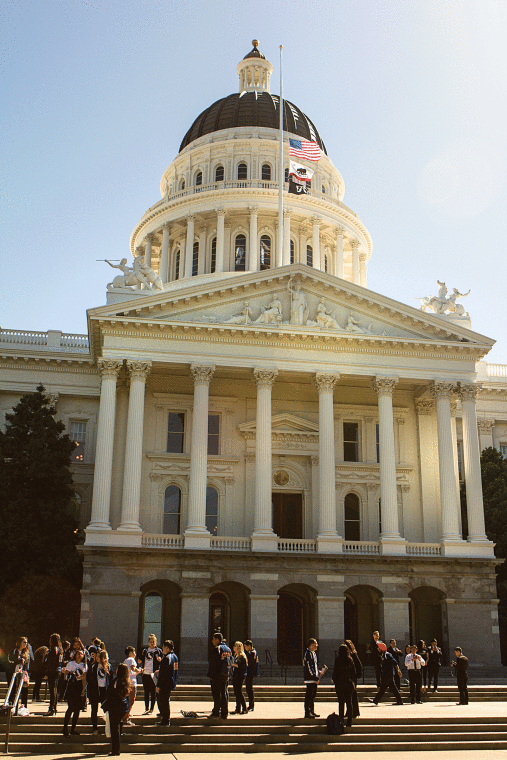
x,y
265,253
213,255
352,518
195,259
177,265
326,264
292,252
323,190
239,253
309,256
198,178
182,184
152,616
212,510
242,171
266,172
172,510
219,174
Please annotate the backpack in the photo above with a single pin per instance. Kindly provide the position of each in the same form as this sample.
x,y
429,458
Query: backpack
x,y
334,725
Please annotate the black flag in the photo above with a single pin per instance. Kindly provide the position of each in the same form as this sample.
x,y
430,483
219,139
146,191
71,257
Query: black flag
x,y
298,188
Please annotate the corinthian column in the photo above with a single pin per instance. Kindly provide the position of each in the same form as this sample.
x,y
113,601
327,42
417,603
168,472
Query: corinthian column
x,y
327,537
219,261
196,534
164,255
472,461
442,392
362,269
263,537
391,541
190,245
339,253
138,372
355,262
109,370
147,249
253,253
316,241
287,213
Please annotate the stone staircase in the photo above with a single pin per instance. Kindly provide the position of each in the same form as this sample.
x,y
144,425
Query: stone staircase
x,y
38,735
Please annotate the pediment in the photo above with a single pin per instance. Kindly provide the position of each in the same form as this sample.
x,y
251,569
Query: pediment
x,y
294,300
283,425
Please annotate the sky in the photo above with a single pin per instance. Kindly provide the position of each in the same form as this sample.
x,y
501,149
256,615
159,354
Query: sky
x,y
410,97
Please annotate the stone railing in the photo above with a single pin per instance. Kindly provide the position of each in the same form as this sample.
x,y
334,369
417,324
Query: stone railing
x,y
52,340
424,550
361,547
230,544
157,541
297,545
497,370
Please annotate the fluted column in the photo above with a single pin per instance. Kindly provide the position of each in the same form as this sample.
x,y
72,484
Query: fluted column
x,y
227,248
472,462
287,213
99,521
390,538
196,534
138,372
327,535
147,249
190,245
362,269
253,253
164,254
302,244
355,262
263,537
454,405
316,241
219,261
442,392
203,236
339,271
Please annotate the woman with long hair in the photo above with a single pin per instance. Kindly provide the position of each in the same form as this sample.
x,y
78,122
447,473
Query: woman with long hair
x,y
54,662
96,677
38,672
344,676
75,670
116,704
150,660
21,656
359,672
239,667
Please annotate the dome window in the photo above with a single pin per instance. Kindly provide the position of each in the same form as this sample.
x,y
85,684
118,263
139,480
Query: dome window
x,y
309,256
323,190
242,171
239,253
326,264
177,265
213,255
195,260
266,172
219,174
198,178
265,252
182,184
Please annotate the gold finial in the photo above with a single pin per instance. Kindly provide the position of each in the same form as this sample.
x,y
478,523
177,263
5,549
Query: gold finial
x,y
255,43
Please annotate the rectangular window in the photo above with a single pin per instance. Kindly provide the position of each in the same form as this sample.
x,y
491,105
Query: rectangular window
x,y
213,255
460,460
213,434
503,450
195,260
377,439
78,435
351,441
175,432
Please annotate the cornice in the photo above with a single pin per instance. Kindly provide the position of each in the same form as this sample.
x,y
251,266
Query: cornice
x,y
47,364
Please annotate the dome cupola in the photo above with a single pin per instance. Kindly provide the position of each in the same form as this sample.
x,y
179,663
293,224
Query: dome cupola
x,y
254,71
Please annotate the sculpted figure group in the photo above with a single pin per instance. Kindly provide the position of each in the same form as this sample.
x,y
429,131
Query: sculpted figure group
x,y
139,274
441,304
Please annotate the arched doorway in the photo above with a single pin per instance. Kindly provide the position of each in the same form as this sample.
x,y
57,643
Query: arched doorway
x,y
295,622
361,613
426,614
159,612
228,611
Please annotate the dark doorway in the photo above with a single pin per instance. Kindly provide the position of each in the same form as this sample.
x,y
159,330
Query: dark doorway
x,y
290,629
350,621
288,515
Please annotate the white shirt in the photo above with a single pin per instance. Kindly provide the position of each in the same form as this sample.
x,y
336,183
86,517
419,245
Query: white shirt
x,y
414,662
148,663
131,663
101,680
74,666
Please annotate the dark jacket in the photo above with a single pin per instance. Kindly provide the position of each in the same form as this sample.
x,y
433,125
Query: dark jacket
x,y
53,661
357,665
461,668
253,669
114,703
395,652
310,666
18,660
168,672
434,658
92,683
220,662
239,672
344,674
157,653
376,655
388,665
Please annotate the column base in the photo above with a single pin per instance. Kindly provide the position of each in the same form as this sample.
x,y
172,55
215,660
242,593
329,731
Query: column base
x,y
393,546
98,535
329,544
197,540
264,542
483,549
113,537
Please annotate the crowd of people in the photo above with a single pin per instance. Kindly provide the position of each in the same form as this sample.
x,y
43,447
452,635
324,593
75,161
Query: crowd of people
x,y
80,675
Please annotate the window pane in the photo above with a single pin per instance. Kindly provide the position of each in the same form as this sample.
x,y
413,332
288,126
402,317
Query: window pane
x,y
198,179
242,171
212,510
177,266
239,253
265,253
213,434
351,441
219,174
77,434
152,617
309,256
213,255
266,171
175,432
292,252
195,260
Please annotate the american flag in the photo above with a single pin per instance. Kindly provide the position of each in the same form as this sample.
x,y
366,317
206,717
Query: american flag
x,y
304,149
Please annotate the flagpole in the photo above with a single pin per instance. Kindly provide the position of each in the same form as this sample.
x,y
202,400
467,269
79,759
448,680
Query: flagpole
x,y
281,175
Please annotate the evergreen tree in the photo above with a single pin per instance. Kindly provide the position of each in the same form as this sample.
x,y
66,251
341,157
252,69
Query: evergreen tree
x,y
40,569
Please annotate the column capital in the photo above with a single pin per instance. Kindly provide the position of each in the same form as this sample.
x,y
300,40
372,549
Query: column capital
x,y
468,391
324,381
264,378
138,251
190,217
202,374
362,256
253,209
287,212
424,406
442,389
354,243
109,368
485,426
316,220
148,238
303,228
220,211
340,231
384,386
138,370
166,225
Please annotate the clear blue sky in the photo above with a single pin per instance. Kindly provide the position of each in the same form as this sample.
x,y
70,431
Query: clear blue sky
x,y
408,95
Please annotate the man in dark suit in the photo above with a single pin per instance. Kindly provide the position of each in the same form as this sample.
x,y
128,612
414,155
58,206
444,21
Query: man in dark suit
x,y
311,677
376,656
461,665
396,653
252,671
218,673
167,678
434,663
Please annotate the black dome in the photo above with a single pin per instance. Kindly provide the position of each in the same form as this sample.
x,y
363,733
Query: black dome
x,y
252,109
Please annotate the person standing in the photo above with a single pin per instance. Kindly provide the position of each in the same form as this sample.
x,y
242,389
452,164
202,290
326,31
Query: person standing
x,y
75,671
461,665
21,657
53,664
253,670
423,652
358,673
239,667
344,678
388,667
312,676
38,671
434,662
376,656
149,661
415,664
218,673
130,662
167,679
396,653
116,704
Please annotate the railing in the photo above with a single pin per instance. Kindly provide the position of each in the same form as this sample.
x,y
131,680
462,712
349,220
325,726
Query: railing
x,y
361,547
24,336
75,341
158,541
424,550
230,544
297,546
497,370
52,340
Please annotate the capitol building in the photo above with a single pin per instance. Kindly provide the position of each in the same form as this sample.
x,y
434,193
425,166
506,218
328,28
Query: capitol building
x,y
266,446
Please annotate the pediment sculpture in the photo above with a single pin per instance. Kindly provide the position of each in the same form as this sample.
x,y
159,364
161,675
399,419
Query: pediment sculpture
x,y
441,304
136,276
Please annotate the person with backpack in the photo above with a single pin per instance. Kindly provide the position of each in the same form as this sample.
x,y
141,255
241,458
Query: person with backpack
x,y
253,670
218,673
344,677
167,679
